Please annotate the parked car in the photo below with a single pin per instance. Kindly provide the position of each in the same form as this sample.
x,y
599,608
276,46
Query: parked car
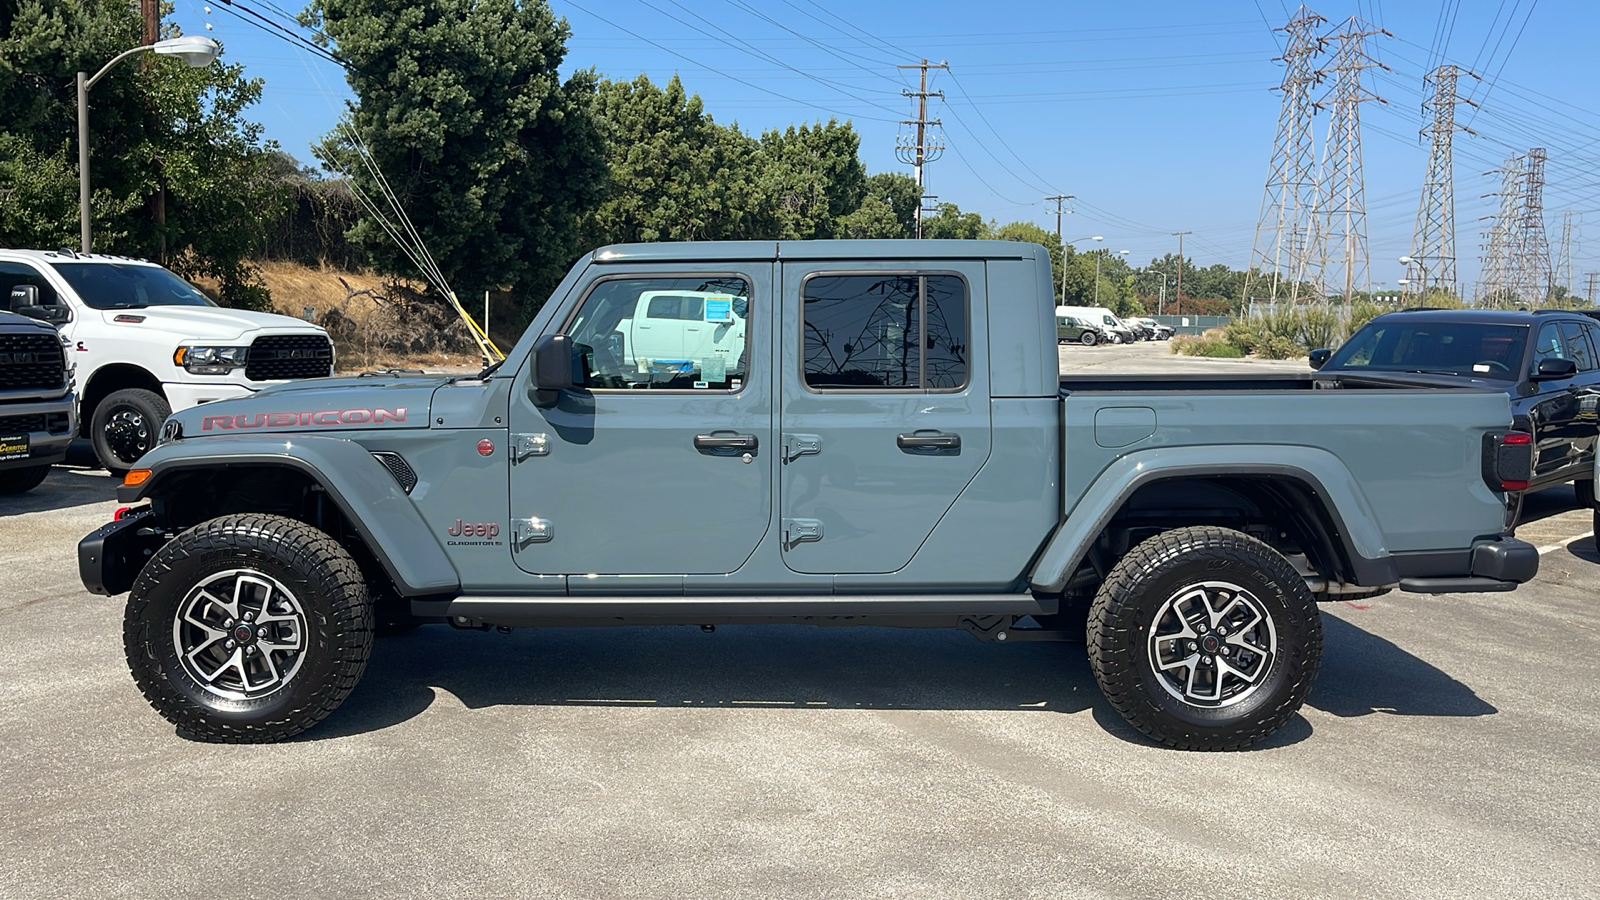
x,y
1158,331
145,342
1546,361
896,447
1119,332
1077,330
37,412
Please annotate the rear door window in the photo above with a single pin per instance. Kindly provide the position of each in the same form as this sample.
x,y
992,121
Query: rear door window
x,y
1577,341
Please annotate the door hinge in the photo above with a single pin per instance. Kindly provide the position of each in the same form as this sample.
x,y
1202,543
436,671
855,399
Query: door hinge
x,y
798,445
530,531
801,531
531,445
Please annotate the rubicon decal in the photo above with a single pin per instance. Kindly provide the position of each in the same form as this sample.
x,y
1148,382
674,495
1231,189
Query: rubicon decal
x,y
324,418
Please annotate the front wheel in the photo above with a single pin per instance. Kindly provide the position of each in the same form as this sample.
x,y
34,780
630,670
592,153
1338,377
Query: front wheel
x,y
125,426
1088,339
1205,639
248,628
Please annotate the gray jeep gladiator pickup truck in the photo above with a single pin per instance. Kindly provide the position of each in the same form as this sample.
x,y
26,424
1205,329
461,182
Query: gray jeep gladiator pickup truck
x,y
37,417
832,433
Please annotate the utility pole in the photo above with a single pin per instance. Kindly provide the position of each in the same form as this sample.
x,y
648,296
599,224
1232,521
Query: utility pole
x,y
1342,219
1433,242
1060,199
1280,253
922,151
1177,302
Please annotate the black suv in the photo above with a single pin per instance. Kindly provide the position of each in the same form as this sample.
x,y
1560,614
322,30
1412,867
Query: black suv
x,y
1545,359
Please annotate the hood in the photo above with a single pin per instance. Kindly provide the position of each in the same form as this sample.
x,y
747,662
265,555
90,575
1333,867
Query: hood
x,y
207,323
317,405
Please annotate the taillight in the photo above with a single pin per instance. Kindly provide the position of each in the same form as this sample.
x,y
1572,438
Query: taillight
x,y
1508,460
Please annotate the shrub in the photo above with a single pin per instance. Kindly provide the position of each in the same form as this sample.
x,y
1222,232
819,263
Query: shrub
x,y
1279,347
1243,334
1213,343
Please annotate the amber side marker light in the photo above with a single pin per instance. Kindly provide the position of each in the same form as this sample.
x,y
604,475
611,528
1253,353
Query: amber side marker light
x,y
135,477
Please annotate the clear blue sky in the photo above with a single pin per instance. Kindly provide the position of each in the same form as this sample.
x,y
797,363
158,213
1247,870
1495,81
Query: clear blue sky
x,y
1159,116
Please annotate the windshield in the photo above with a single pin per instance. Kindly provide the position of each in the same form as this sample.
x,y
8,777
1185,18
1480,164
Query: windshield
x,y
1472,349
129,286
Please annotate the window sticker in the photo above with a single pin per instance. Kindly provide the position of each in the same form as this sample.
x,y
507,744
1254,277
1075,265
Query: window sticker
x,y
702,384
719,311
714,368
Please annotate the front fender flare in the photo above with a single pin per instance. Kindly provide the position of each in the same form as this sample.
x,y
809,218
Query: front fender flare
x,y
1353,518
381,513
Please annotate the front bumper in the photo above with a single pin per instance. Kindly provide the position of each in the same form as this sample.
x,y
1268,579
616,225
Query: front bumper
x,y
47,446
111,557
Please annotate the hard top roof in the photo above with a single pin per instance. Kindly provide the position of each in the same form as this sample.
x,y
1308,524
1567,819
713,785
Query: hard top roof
x,y
1482,316
746,251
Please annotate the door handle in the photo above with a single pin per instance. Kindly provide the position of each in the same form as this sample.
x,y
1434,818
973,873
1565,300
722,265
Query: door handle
x,y
726,443
928,442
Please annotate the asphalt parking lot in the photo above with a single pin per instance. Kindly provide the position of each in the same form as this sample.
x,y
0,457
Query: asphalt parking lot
x,y
1451,748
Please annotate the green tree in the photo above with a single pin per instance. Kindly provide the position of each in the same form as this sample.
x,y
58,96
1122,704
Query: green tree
x,y
178,174
672,173
949,222
462,107
805,182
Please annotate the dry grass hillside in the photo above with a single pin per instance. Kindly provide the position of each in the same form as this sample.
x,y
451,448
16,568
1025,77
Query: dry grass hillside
x,y
375,322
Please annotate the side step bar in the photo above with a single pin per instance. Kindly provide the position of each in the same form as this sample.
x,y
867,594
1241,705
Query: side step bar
x,y
532,611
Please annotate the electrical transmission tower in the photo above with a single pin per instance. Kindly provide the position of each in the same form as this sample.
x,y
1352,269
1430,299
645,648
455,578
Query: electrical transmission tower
x,y
1279,260
1495,282
1564,256
925,146
1433,242
1530,256
1340,227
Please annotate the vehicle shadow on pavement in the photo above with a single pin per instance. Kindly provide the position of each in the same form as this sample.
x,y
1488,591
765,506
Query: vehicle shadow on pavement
x,y
62,488
1585,550
753,666
1364,674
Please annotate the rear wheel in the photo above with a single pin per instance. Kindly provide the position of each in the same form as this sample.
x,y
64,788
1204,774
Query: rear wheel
x,y
20,481
1205,639
1088,339
125,426
1585,491
248,628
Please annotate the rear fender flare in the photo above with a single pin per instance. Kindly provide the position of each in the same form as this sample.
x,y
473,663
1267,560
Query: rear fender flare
x,y
1353,520
381,513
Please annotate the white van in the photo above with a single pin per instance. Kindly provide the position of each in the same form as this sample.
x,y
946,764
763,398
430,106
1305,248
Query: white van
x,y
1103,317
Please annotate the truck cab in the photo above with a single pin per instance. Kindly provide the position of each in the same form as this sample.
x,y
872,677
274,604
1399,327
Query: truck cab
x,y
146,343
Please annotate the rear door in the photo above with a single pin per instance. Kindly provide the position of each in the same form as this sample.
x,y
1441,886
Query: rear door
x,y
884,411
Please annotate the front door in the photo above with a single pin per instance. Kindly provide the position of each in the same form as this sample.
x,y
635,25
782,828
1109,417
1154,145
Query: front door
x,y
661,464
884,417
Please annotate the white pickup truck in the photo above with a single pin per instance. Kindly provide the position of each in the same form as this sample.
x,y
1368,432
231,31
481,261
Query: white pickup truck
x,y
147,343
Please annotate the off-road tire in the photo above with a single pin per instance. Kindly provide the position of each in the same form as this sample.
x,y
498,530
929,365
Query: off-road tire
x,y
322,579
1088,339
146,410
21,481
1146,580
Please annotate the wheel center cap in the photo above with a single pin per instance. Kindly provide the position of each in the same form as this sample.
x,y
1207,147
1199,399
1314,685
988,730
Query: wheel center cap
x,y
1210,643
243,634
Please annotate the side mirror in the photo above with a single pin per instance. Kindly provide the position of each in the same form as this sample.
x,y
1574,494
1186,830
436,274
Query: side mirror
x,y
1552,369
24,301
1319,357
556,368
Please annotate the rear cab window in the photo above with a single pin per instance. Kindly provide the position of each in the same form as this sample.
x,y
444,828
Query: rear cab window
x,y
885,331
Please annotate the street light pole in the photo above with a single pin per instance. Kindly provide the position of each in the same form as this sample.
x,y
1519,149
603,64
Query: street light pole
x,y
198,52
1097,237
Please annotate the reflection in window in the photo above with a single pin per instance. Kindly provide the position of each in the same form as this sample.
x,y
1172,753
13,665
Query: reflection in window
x,y
673,333
864,331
